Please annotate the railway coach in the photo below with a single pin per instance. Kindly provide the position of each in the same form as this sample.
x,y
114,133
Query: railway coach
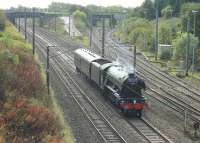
x,y
122,88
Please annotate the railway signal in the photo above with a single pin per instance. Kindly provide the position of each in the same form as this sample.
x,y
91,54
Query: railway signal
x,y
134,58
93,19
188,46
193,50
25,21
103,36
156,41
47,69
19,19
47,65
69,24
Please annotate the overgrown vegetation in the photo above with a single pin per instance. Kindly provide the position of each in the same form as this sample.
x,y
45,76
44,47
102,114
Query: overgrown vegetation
x,y
25,116
139,28
80,20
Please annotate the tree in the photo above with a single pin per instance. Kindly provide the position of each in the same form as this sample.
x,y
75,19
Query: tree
x,y
165,35
186,12
80,20
136,31
147,9
180,44
167,11
168,29
80,16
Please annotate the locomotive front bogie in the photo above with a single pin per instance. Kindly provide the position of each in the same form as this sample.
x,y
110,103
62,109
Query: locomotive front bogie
x,y
131,105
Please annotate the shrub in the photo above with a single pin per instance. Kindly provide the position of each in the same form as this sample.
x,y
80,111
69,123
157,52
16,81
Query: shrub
x,y
20,45
30,122
6,40
27,80
12,31
180,45
80,20
167,11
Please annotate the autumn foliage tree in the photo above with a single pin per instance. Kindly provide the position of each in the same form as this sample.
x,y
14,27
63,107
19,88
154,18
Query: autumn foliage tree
x,y
28,79
29,122
24,116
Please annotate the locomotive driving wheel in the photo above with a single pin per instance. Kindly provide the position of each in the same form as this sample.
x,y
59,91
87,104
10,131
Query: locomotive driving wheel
x,y
124,112
139,113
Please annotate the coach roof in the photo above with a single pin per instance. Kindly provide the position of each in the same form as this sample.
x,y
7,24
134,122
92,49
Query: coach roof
x,y
87,55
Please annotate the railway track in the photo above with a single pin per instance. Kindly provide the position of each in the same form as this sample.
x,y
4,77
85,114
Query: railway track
x,y
107,132
169,94
148,131
144,130
171,82
101,124
187,103
166,98
190,102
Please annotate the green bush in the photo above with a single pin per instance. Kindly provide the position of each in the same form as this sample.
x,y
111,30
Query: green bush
x,y
186,12
6,40
167,11
6,55
80,20
15,59
135,30
13,33
180,45
21,45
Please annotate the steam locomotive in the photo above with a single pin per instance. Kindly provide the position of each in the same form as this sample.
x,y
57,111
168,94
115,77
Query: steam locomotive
x,y
122,88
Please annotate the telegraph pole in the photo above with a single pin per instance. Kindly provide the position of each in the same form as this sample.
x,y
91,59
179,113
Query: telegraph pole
x,y
19,23
33,36
25,20
91,24
156,42
188,46
69,25
55,21
103,36
47,70
134,58
193,50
